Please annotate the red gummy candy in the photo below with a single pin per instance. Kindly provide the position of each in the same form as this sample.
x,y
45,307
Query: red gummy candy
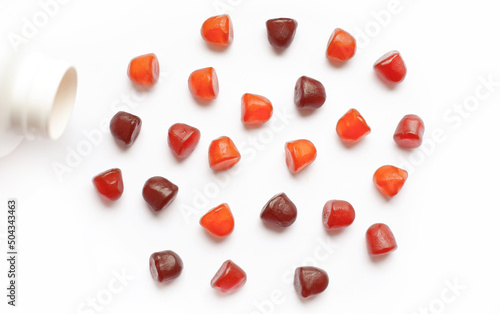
x,y
109,184
229,278
380,240
183,139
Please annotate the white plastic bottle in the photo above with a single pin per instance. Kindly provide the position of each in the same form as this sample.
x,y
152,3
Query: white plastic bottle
x,y
37,95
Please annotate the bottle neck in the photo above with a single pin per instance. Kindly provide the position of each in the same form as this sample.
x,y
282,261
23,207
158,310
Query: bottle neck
x,y
42,96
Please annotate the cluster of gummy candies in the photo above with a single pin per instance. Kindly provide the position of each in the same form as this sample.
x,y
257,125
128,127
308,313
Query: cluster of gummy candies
x,y
280,211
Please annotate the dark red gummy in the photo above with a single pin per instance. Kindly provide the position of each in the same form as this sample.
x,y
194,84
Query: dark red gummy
x,y
109,184
310,281
337,214
279,211
409,132
125,127
229,278
183,139
281,32
165,266
380,240
158,192
309,93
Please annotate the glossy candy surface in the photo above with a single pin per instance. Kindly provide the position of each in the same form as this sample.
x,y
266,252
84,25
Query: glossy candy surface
x,y
109,184
255,109
309,93
380,240
280,32
219,221
337,214
279,211
223,154
229,278
389,180
204,84
299,155
165,266
125,128
390,68
183,139
159,192
341,46
409,132
144,70
218,30
352,127
310,281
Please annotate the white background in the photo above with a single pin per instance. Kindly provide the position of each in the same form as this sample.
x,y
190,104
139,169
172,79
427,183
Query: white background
x,y
445,219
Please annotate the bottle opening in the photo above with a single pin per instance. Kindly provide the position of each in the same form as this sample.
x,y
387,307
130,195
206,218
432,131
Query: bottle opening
x,y
62,107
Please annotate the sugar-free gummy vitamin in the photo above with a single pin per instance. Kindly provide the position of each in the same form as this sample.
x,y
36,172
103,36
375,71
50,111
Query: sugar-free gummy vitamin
x,y
255,109
337,214
280,32
229,278
183,139
309,93
223,154
144,70
299,155
159,192
341,46
310,281
279,211
218,221
125,128
218,30
390,68
380,240
409,132
389,180
352,127
109,184
165,266
204,84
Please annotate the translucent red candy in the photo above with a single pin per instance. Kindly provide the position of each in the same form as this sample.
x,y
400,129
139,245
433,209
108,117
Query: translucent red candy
x,y
158,192
204,84
219,221
144,70
380,240
165,266
337,214
109,184
223,154
409,132
280,211
299,155
280,32
389,180
255,109
183,139
341,46
229,278
309,93
310,281
218,30
352,127
390,68
125,128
